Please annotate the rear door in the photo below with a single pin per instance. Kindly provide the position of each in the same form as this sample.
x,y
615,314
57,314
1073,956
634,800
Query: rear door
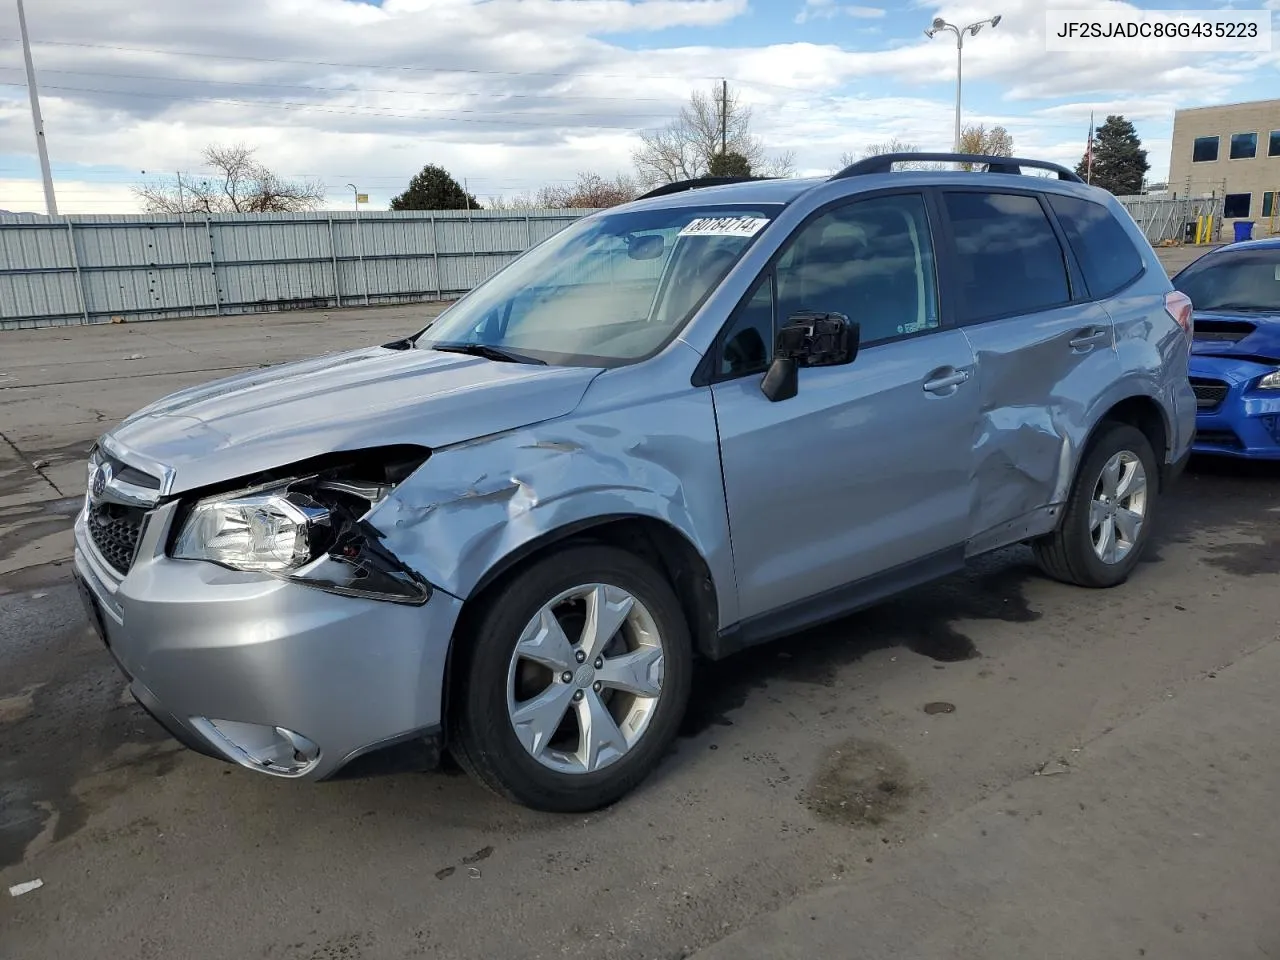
x,y
1042,350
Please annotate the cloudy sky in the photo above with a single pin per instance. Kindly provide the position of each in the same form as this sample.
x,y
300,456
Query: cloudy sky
x,y
514,94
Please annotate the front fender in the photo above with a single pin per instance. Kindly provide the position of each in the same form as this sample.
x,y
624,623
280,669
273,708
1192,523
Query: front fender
x,y
471,506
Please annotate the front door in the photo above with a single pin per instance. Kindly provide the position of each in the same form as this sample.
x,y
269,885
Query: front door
x,y
866,470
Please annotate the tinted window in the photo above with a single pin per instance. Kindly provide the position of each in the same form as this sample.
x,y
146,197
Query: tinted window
x,y
1273,148
748,339
1247,281
1204,150
1106,254
1007,255
1244,146
871,261
1236,205
1268,203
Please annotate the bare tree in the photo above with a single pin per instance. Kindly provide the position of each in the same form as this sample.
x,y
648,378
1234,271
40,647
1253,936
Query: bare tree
x,y
237,183
589,192
685,147
848,158
520,202
976,138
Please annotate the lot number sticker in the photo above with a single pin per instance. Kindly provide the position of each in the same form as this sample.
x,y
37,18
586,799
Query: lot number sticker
x,y
724,227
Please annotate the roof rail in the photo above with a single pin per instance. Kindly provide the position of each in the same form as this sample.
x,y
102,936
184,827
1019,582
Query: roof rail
x,y
885,161
681,185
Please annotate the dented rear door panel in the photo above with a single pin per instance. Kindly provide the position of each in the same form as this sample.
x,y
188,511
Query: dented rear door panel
x,y
1038,384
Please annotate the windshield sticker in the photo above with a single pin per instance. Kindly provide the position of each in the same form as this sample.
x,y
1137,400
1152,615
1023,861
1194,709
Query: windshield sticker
x,y
724,227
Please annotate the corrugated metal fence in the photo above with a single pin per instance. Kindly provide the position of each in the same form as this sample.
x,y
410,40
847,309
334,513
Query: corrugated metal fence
x,y
1162,218
97,268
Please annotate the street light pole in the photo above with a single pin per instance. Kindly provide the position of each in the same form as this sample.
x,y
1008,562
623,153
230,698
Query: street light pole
x,y
50,202
938,26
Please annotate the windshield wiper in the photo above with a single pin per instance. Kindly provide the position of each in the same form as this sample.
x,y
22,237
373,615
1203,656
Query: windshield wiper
x,y
501,354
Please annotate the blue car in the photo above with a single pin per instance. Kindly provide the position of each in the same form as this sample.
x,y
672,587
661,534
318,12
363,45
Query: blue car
x,y
1235,361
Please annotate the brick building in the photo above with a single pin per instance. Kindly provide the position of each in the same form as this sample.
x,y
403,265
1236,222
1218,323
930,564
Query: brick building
x,y
1230,151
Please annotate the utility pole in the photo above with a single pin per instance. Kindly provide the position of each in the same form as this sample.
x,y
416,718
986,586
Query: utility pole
x,y
724,117
50,202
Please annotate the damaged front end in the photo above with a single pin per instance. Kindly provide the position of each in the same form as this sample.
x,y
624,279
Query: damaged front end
x,y
307,524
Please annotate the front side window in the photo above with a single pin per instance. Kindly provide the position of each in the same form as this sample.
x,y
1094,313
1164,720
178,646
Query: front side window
x,y
1244,146
605,291
1235,205
1205,150
1244,281
1008,257
1103,248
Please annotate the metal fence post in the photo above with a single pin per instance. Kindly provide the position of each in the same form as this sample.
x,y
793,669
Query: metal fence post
x,y
528,231
333,253
435,257
75,263
364,275
213,269
186,252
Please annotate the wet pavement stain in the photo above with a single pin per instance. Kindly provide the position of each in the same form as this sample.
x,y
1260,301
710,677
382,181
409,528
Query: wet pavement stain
x,y
1247,559
921,620
859,783
939,706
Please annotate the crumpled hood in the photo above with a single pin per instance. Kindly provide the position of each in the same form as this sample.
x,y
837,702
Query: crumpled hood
x,y
364,398
1245,336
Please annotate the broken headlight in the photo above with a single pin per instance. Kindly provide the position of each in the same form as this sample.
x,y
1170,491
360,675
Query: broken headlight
x,y
308,531
267,532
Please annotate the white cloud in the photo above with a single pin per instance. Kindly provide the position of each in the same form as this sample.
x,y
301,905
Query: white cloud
x,y
826,9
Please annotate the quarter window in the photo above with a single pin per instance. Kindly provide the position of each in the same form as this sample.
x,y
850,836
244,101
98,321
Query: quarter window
x,y
1008,258
1101,245
1244,146
1205,150
1236,205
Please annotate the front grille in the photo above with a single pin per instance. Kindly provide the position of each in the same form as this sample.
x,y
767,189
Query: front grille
x,y
1219,438
114,530
1209,393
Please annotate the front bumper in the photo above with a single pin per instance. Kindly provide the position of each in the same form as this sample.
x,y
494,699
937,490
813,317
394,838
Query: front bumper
x,y
1246,421
200,643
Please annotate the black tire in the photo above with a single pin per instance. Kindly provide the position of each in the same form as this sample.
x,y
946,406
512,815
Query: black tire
x,y
481,734
1068,554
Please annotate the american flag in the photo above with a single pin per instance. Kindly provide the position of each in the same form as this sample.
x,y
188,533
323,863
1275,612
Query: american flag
x,y
1088,153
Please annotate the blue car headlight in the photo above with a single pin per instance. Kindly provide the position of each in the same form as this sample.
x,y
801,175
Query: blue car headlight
x,y
1270,382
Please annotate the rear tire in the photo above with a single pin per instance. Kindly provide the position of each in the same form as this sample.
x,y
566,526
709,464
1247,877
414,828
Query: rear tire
x,y
1107,520
538,674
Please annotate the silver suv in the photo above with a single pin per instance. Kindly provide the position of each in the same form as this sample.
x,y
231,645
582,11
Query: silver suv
x,y
678,428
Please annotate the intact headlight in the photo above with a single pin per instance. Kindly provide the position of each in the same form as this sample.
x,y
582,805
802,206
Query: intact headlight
x,y
273,532
1270,382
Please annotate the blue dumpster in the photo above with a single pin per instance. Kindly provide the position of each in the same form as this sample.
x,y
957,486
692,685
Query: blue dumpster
x,y
1244,230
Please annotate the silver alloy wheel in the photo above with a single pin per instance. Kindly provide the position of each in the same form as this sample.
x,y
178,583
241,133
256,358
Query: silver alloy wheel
x,y
585,678
1119,507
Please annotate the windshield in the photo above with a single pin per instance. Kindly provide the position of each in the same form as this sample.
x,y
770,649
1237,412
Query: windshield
x,y
605,291
1247,281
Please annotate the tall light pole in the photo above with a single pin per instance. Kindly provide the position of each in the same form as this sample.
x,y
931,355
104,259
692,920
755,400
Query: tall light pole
x,y
50,202
938,26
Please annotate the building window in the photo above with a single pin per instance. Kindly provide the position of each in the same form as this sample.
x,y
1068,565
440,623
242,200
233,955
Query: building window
x,y
1244,146
1273,148
1236,205
1205,150
1268,204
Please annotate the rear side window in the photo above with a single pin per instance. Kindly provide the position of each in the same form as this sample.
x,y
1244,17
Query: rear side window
x,y
1106,254
1007,256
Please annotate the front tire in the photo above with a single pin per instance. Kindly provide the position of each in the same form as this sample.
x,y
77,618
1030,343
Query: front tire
x,y
1107,520
574,680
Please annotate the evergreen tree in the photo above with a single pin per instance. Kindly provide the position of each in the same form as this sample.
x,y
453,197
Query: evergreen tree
x,y
1119,162
731,164
434,189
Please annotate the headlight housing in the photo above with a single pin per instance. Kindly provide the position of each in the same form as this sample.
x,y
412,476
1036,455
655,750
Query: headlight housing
x,y
1270,382
308,531
269,532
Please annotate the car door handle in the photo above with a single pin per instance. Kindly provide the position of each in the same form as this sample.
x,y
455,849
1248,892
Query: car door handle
x,y
1087,338
940,381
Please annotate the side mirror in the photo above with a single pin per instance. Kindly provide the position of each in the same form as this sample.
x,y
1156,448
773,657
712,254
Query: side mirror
x,y
647,246
808,340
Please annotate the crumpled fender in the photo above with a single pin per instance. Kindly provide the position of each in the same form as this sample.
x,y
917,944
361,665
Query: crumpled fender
x,y
471,505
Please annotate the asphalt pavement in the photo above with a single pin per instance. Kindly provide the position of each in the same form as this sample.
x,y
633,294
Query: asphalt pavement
x,y
992,766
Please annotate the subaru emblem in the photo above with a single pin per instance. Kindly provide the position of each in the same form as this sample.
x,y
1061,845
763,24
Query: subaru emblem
x,y
98,484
